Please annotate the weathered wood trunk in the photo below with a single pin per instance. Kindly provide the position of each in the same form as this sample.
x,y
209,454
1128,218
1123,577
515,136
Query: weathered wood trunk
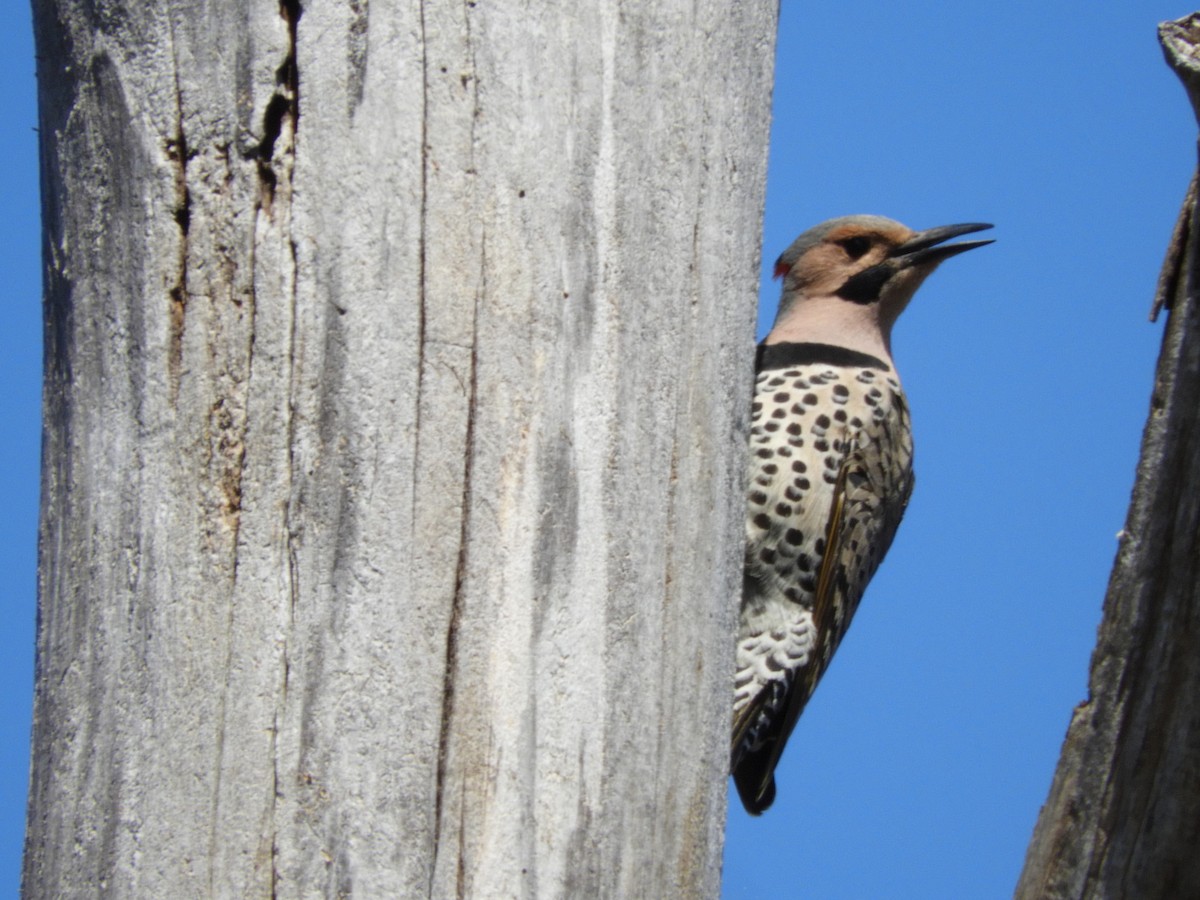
x,y
398,358
1123,816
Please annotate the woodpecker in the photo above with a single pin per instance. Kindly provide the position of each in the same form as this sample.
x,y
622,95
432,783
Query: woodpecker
x,y
830,467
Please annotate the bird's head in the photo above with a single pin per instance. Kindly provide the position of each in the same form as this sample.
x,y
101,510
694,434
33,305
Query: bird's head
x,y
871,264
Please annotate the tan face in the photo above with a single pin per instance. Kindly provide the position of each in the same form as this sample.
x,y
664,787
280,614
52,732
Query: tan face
x,y
843,252
847,280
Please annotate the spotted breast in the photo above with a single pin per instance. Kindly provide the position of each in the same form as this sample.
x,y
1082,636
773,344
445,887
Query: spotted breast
x,y
830,475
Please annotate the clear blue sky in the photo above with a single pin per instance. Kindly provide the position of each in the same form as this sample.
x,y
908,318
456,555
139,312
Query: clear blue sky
x,y
918,769
20,410
920,765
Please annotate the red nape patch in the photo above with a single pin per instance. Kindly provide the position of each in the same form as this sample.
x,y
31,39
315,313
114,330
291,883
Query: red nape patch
x,y
781,268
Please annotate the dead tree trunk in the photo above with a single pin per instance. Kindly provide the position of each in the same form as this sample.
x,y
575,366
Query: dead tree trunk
x,y
397,363
1123,816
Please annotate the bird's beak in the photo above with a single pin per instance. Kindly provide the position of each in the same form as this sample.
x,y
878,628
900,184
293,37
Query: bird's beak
x,y
922,248
919,250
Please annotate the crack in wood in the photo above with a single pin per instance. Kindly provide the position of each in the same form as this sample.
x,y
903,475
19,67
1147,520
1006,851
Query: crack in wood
x,y
177,152
451,655
281,121
282,109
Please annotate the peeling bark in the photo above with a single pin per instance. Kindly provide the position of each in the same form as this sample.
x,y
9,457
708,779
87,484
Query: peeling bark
x,y
397,357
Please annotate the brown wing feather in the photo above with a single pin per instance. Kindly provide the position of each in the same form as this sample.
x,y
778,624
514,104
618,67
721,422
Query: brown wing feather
x,y
864,514
823,600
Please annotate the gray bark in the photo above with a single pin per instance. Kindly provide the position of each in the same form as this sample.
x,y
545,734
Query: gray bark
x,y
1123,815
398,358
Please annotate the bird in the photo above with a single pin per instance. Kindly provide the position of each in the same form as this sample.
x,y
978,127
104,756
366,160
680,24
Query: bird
x,y
830,468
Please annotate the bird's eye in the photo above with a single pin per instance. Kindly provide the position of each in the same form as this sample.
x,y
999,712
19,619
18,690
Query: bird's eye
x,y
856,246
